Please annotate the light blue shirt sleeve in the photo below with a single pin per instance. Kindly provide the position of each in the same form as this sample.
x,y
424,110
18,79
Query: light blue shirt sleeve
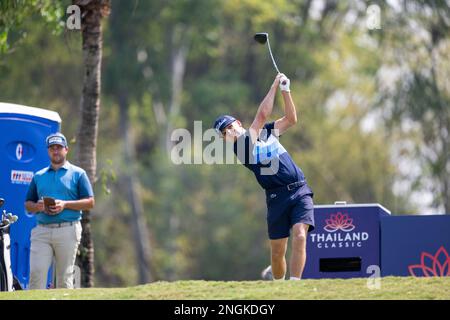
x,y
32,194
85,187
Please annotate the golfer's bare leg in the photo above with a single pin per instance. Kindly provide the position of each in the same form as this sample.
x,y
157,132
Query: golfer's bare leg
x,y
298,254
278,249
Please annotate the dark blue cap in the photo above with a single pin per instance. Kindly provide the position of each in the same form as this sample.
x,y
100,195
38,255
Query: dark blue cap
x,y
222,122
56,138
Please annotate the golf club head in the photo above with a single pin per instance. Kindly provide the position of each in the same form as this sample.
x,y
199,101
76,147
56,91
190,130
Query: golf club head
x,y
11,217
261,37
2,201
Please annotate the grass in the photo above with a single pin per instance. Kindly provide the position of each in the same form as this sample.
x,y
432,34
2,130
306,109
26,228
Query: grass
x,y
351,289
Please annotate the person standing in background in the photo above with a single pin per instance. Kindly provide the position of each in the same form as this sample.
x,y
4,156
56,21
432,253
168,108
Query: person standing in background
x,y
58,231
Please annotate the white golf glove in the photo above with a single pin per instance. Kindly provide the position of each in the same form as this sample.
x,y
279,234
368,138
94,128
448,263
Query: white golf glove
x,y
284,83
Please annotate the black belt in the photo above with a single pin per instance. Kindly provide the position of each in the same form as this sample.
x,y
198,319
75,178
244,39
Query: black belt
x,y
58,224
288,187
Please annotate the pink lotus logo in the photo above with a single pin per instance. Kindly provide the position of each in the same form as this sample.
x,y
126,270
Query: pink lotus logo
x,y
432,266
339,221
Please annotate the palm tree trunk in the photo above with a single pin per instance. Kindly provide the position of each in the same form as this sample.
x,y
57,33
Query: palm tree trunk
x,y
92,12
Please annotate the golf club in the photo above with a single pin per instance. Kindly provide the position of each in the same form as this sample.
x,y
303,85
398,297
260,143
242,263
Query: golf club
x,y
7,219
262,38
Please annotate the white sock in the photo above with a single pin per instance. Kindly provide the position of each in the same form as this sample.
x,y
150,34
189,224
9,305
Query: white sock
x,y
294,278
281,279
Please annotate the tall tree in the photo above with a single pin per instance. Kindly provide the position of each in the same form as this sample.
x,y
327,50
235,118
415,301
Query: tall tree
x,y
125,85
416,43
92,12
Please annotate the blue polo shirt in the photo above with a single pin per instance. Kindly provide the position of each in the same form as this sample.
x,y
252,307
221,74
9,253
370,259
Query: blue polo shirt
x,y
67,183
267,159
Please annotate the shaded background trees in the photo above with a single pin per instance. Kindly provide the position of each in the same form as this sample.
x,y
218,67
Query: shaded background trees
x,y
373,108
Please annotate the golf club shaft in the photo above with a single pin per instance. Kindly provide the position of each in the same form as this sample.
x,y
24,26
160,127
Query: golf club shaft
x,y
271,56
273,60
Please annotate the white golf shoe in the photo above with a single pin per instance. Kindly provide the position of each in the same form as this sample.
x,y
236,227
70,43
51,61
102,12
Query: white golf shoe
x,y
266,274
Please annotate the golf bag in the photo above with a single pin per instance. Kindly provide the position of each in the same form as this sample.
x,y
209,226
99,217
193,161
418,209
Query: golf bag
x,y
6,276
7,280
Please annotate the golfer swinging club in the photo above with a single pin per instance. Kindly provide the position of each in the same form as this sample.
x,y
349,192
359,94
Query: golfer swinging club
x,y
288,196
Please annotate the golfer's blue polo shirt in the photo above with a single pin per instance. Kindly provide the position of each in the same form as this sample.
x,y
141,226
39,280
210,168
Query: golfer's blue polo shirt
x,y
285,207
67,183
268,153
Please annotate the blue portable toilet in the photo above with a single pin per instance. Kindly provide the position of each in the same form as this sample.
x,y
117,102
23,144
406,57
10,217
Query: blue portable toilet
x,y
22,143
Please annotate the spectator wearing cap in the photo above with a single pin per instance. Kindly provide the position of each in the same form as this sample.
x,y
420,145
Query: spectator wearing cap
x,y
58,230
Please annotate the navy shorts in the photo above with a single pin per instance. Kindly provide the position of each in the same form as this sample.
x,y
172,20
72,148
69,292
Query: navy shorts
x,y
286,208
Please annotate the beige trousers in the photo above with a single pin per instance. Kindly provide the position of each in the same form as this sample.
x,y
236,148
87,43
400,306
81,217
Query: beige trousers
x,y
61,243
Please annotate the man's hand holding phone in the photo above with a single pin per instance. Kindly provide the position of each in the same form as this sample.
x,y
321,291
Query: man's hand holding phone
x,y
53,206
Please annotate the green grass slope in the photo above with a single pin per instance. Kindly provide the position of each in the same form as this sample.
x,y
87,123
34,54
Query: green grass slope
x,y
391,288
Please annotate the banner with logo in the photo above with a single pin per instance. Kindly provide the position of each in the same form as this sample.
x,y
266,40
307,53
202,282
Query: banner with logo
x,y
345,242
416,246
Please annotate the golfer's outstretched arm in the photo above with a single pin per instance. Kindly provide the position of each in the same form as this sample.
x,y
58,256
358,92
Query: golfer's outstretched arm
x,y
290,114
264,110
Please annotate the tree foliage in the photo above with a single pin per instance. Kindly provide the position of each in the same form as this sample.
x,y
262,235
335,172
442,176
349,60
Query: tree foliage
x,y
208,222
